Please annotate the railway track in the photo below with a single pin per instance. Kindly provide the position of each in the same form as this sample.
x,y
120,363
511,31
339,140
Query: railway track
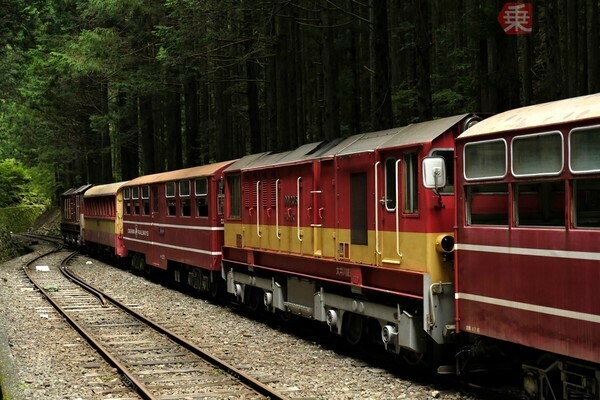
x,y
154,361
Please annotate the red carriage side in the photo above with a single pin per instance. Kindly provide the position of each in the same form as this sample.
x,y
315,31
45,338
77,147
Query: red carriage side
x,y
174,221
528,217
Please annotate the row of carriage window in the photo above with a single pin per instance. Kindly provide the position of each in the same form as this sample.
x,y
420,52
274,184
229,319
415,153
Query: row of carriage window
x,y
181,200
548,203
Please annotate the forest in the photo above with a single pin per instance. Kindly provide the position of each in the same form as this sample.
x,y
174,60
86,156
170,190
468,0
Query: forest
x,y
96,91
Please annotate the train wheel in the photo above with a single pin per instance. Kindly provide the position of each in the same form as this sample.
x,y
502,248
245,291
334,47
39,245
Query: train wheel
x,y
255,299
354,327
214,290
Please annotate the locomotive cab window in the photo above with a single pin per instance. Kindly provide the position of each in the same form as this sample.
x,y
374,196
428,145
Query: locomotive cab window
x,y
448,156
391,184
540,204
201,187
487,204
234,199
411,183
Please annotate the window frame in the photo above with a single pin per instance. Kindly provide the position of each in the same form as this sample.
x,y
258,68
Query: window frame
x,y
575,130
189,187
167,189
484,178
396,176
540,134
410,186
453,151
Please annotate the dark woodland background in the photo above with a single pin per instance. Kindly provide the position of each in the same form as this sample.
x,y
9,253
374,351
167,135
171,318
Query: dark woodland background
x,y
105,90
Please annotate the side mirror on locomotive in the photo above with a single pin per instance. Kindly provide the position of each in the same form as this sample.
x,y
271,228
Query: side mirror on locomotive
x,y
434,173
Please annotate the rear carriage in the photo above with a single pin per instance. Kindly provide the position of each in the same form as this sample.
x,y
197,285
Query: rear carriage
x,y
72,221
528,259
344,232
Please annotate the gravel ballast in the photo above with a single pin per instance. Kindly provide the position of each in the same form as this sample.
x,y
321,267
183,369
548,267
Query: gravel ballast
x,y
50,361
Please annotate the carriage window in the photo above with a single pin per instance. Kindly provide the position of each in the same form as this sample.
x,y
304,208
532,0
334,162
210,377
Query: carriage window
x,y
587,203
221,197
411,183
171,207
155,199
527,151
391,184
126,194
235,196
146,199
540,204
136,208
584,149
185,207
184,188
448,156
170,189
135,192
487,204
485,160
202,197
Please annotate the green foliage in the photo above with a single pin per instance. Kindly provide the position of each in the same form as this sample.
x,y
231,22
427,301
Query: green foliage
x,y
8,248
19,187
20,218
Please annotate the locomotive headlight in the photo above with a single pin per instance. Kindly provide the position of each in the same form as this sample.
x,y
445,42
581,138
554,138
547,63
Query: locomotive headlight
x,y
444,244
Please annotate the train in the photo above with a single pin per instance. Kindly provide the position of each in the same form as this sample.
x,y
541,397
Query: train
x,y
450,236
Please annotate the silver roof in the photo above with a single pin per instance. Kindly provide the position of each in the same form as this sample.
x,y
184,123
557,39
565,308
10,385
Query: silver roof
x,y
552,113
366,142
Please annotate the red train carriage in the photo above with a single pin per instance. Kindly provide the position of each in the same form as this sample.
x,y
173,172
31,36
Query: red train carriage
x,y
174,220
528,259
72,208
104,219
343,232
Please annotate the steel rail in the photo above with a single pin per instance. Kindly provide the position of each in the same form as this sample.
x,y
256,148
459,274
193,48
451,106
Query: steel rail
x,y
139,386
252,383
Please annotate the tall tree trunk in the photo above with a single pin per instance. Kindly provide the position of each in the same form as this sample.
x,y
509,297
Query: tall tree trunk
x,y
592,46
525,69
582,53
253,106
572,47
282,84
382,101
353,56
173,124
128,137
146,118
105,145
422,15
191,153
552,90
331,122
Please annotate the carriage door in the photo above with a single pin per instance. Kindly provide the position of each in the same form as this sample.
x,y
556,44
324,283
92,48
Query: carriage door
x,y
358,209
391,208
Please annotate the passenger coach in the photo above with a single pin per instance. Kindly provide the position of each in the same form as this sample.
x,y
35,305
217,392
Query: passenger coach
x,y
528,259
174,221
104,219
